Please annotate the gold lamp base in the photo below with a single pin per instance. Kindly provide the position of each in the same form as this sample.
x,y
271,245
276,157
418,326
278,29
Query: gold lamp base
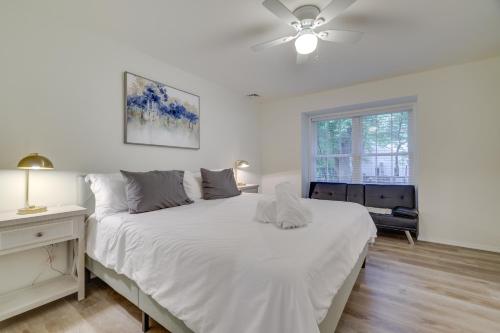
x,y
31,210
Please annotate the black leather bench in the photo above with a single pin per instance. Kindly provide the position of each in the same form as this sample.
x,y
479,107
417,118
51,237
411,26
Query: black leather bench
x,y
400,199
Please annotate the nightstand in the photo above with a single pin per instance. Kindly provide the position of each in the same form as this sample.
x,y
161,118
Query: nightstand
x,y
24,232
249,188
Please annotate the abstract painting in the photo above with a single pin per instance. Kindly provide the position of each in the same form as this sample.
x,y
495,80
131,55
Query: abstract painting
x,y
159,115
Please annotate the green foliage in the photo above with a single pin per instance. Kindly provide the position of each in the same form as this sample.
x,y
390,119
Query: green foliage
x,y
333,137
386,133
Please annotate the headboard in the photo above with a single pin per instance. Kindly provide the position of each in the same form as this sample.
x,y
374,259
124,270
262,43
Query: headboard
x,y
85,197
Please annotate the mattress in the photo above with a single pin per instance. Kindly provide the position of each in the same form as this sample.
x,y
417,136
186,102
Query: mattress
x,y
217,269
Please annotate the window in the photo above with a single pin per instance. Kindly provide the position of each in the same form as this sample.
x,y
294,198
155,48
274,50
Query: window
x,y
366,147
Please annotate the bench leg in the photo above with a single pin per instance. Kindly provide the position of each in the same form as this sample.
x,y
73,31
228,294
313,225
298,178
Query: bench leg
x,y
145,322
410,239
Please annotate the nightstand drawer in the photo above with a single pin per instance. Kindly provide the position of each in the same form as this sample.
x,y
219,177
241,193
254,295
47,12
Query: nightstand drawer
x,y
36,234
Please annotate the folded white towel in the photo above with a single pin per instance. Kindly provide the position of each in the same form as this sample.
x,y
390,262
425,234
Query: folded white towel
x,y
285,210
290,211
266,210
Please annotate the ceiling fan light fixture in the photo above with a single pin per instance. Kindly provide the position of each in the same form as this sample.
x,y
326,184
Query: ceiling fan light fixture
x,y
306,43
305,19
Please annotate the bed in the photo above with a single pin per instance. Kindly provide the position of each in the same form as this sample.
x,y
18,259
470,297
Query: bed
x,y
209,267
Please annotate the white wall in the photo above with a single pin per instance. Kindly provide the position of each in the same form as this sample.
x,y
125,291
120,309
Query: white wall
x,y
61,94
458,145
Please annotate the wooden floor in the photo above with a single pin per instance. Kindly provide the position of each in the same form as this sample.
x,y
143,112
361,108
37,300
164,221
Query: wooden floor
x,y
428,288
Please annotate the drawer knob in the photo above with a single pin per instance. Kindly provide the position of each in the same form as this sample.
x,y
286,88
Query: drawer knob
x,y
39,234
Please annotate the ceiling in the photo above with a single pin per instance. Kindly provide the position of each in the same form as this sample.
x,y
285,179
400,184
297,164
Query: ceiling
x,y
212,39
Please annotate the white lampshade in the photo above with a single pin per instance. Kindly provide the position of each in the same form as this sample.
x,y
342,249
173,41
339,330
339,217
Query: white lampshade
x,y
306,43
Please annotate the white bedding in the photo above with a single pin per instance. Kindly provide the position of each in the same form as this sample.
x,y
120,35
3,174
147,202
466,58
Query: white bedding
x,y
214,267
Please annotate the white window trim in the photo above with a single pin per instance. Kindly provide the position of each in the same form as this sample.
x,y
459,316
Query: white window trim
x,y
386,106
364,112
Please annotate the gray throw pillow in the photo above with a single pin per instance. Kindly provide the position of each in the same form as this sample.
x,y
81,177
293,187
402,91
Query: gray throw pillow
x,y
153,190
218,184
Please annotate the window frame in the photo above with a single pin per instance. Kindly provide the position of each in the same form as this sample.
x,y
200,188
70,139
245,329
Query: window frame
x,y
357,153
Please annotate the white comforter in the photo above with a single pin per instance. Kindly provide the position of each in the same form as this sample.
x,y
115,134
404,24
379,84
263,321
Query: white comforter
x,y
214,267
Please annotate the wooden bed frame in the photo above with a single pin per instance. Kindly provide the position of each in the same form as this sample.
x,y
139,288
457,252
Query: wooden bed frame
x,y
150,308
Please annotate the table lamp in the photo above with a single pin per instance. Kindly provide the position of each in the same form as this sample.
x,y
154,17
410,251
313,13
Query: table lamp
x,y
239,164
32,162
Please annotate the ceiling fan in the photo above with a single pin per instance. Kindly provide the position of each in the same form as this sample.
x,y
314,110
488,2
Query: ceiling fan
x,y
305,20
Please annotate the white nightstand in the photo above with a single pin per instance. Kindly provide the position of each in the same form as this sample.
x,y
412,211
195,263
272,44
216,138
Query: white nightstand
x,y
24,232
249,188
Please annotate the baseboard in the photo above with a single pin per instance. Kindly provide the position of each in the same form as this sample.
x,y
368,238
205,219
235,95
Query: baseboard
x,y
461,244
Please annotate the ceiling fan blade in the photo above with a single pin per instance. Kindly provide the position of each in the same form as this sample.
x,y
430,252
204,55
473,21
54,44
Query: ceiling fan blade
x,y
340,36
302,58
266,45
280,10
332,10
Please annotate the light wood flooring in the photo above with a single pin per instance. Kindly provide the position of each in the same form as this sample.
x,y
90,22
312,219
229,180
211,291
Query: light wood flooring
x,y
428,288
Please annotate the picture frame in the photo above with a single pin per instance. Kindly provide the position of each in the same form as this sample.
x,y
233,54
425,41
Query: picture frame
x,y
157,114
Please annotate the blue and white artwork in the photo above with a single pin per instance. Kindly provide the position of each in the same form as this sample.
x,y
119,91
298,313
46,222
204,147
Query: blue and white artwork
x,y
157,114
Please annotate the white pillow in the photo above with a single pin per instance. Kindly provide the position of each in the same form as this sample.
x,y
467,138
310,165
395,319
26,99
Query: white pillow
x,y
192,185
109,192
